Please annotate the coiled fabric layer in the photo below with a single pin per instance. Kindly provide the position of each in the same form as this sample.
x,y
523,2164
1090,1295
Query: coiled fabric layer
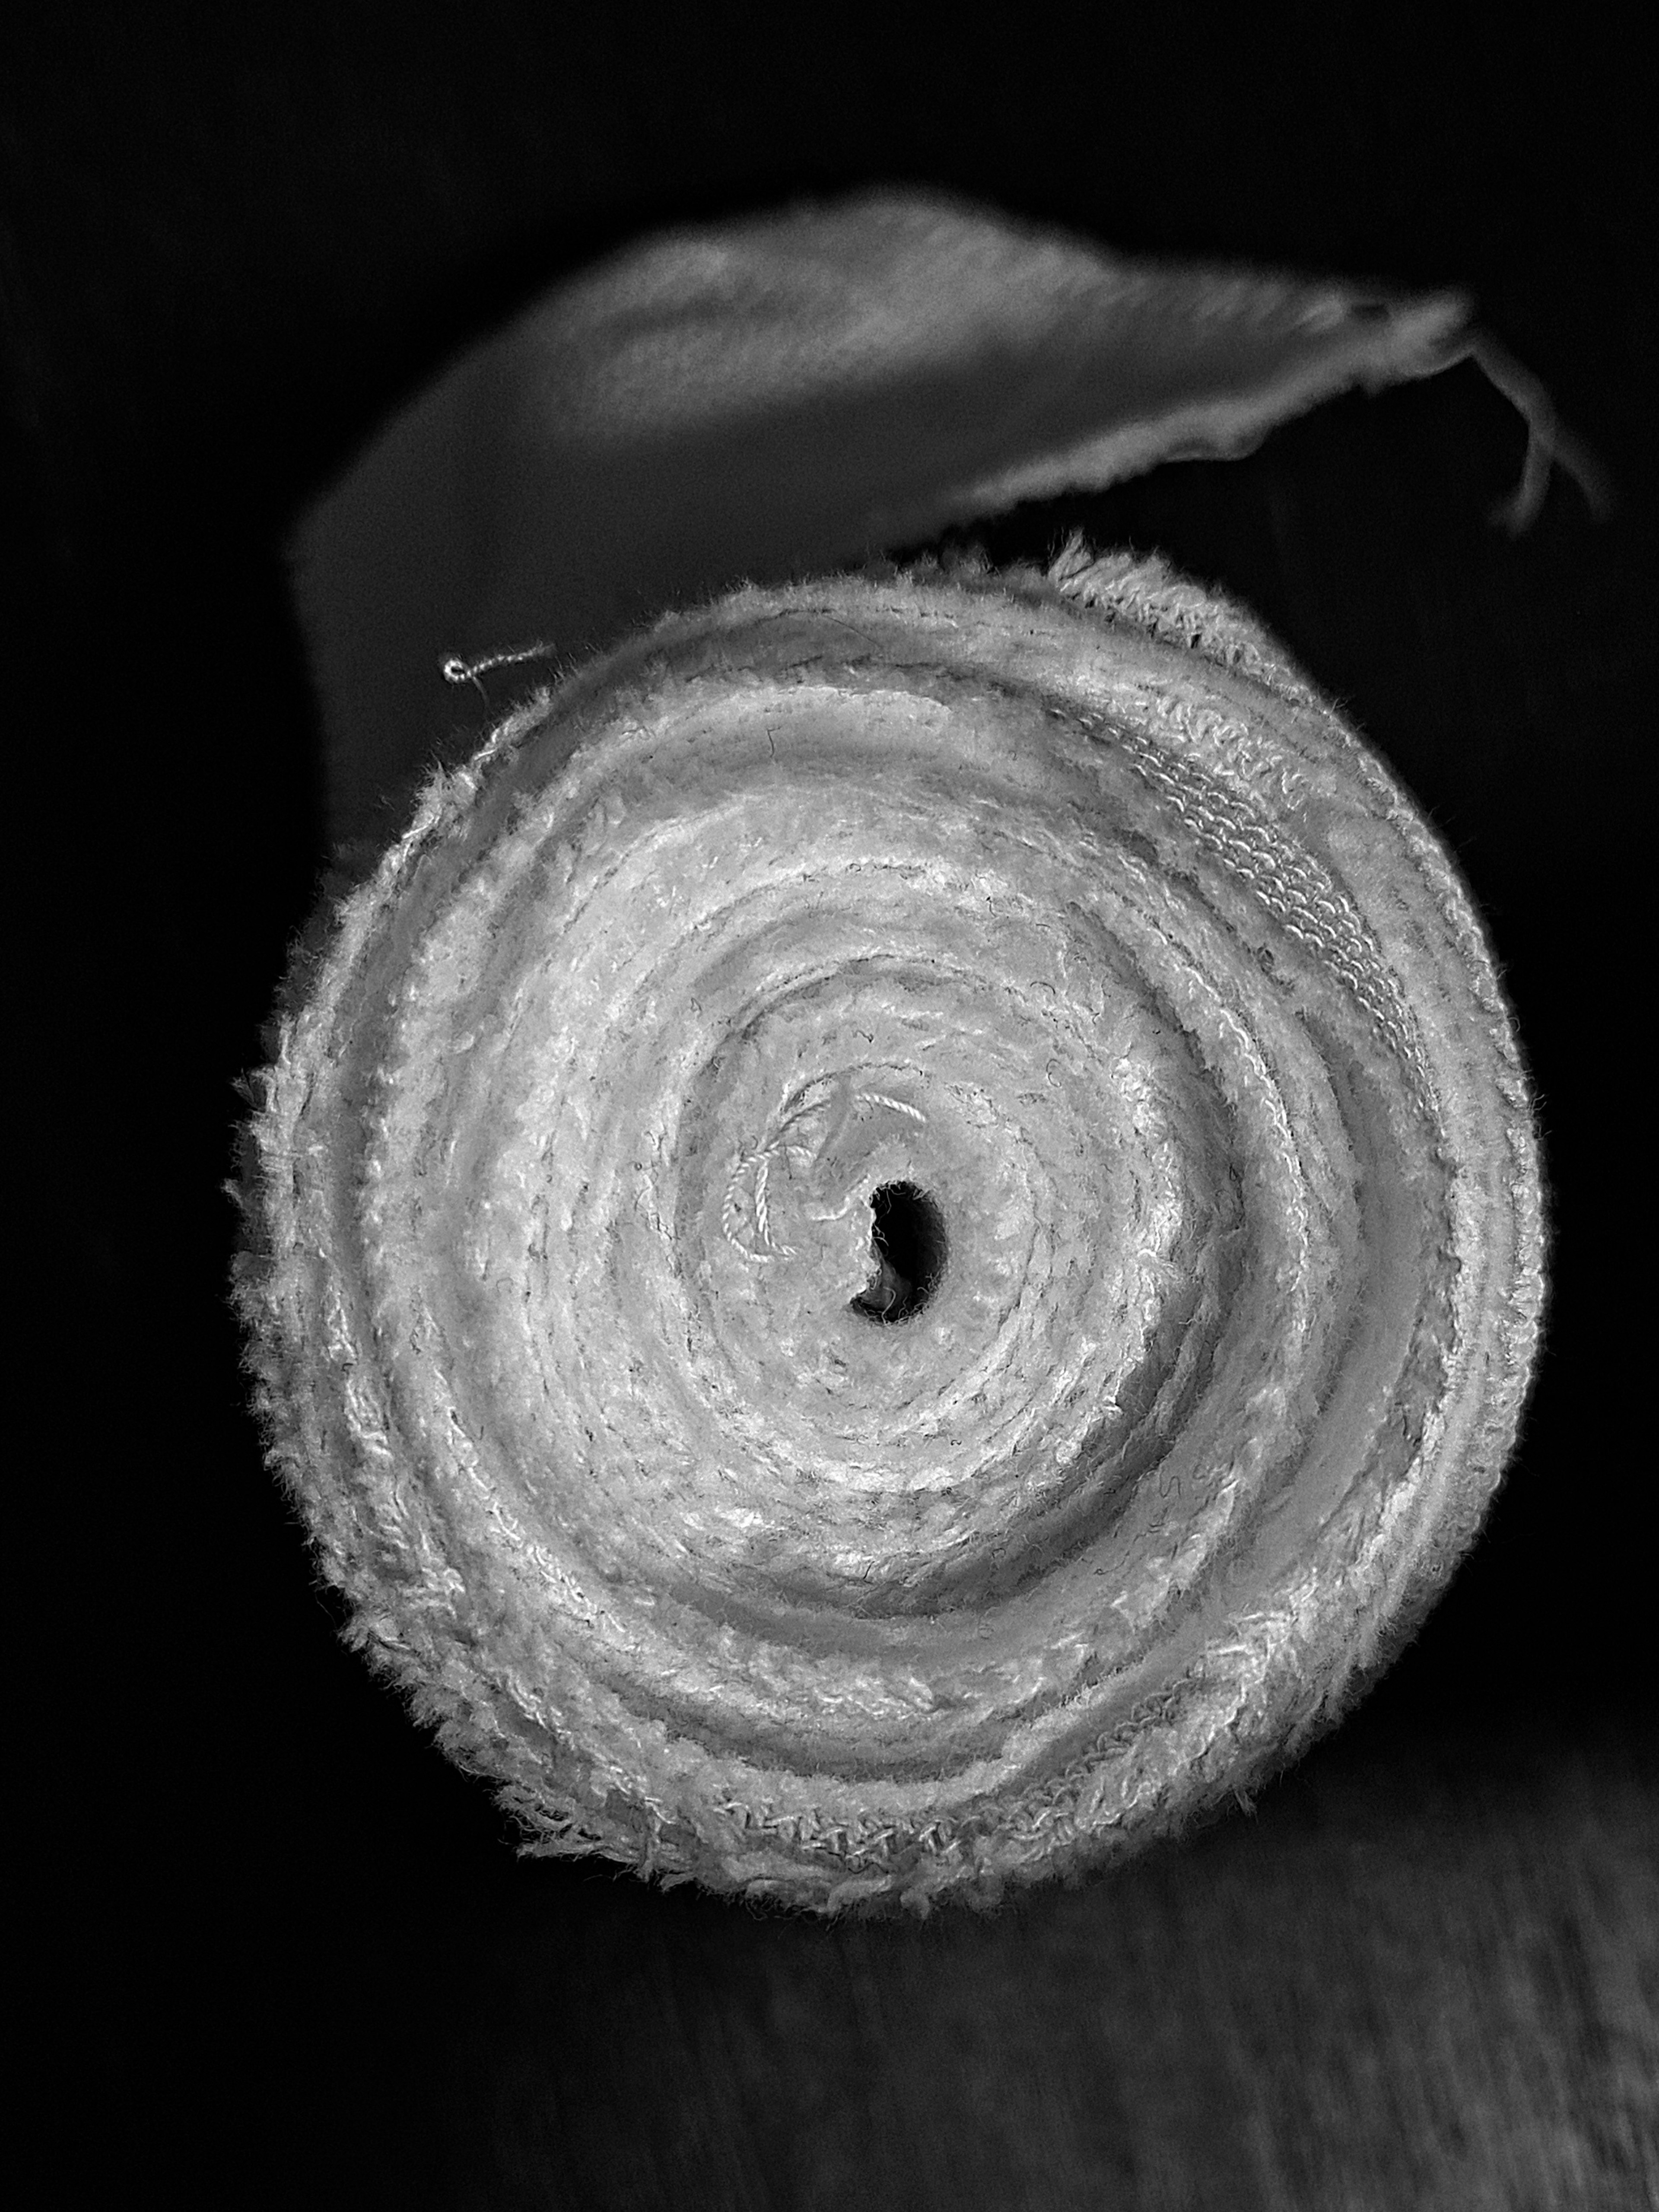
x,y
901,1239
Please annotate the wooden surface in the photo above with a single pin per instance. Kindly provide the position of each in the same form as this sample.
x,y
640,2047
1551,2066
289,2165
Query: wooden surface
x,y
1411,1979
291,1958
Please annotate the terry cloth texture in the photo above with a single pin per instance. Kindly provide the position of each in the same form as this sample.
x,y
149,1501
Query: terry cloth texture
x,y
900,1240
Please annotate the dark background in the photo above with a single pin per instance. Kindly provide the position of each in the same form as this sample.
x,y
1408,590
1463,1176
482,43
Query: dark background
x,y
290,1958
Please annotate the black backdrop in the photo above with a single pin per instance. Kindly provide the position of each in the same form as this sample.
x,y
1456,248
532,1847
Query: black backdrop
x,y
290,1958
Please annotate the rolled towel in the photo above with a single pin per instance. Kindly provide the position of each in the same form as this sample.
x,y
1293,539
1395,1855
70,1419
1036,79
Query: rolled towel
x,y
899,1240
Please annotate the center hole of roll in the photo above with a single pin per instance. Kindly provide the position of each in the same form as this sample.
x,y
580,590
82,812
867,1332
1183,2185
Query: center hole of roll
x,y
909,1244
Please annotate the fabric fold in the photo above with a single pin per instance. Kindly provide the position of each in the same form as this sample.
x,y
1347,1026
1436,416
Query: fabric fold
x,y
783,395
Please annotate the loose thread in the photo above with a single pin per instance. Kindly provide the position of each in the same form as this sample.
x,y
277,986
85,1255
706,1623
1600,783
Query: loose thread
x,y
1547,444
456,670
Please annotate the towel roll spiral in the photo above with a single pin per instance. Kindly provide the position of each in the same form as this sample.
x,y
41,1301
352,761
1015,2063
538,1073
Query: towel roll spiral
x,y
901,1239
